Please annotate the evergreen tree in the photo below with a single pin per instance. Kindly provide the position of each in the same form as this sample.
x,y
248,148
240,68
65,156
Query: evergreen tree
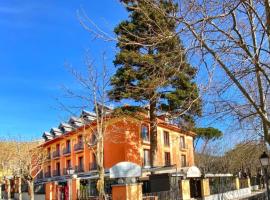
x,y
153,69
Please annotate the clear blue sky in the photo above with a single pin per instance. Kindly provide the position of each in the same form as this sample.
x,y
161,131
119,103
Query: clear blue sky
x,y
37,39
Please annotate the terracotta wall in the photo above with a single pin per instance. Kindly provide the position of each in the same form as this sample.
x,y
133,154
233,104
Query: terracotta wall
x,y
122,143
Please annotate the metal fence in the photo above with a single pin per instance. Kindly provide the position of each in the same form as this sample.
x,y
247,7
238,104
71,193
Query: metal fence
x,y
163,195
221,184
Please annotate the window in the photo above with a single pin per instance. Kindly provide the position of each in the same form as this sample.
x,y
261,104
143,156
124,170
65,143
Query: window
x,y
167,159
68,166
68,145
145,133
80,139
81,161
57,169
146,157
166,138
183,161
182,142
58,148
93,164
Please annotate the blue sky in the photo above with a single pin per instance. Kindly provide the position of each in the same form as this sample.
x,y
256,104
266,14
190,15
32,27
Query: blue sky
x,y
37,39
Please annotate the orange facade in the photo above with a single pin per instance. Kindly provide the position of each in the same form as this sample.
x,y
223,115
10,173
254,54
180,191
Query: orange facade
x,y
126,139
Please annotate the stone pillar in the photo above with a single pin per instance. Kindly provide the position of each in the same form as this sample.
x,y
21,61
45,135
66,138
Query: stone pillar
x,y
8,189
237,183
49,191
75,187
205,187
245,182
185,189
131,191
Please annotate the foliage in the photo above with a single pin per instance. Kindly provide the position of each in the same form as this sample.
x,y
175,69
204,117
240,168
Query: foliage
x,y
208,133
152,70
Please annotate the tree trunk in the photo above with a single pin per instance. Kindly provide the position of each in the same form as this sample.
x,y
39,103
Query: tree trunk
x,y
153,132
31,189
100,159
8,190
20,188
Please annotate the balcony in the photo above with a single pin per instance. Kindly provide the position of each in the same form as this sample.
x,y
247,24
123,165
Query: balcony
x,y
56,154
49,156
93,166
79,146
56,172
47,174
184,146
40,175
66,151
65,171
79,169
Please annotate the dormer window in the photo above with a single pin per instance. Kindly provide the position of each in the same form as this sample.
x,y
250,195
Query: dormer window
x,y
145,133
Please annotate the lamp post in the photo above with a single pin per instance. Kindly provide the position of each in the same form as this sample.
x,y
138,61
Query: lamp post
x,y
70,172
264,159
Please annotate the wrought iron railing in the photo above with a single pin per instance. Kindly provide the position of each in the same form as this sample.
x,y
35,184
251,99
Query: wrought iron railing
x,y
221,184
40,175
163,195
56,172
48,174
93,166
79,168
66,151
79,146
56,154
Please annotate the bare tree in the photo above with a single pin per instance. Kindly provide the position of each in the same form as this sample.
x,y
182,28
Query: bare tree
x,y
232,38
22,160
93,84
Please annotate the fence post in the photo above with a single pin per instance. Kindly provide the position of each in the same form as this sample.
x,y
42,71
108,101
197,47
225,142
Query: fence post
x,y
185,189
75,188
131,191
205,187
237,183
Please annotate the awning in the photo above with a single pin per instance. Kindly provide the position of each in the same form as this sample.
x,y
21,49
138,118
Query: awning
x,y
191,172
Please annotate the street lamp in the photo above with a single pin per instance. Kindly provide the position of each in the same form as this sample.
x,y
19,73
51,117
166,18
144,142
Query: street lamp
x,y
70,172
264,159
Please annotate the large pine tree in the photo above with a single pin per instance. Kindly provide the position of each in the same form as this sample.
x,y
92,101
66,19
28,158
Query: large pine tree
x,y
152,66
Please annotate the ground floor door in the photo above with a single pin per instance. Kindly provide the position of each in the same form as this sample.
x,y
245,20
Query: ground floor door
x,y
195,188
63,192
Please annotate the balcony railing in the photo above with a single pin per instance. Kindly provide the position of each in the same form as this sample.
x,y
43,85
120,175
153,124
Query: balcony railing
x,y
79,146
56,154
56,172
79,168
66,151
183,146
64,171
93,166
40,175
47,174
49,156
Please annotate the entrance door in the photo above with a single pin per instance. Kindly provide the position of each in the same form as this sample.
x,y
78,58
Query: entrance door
x,y
195,188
